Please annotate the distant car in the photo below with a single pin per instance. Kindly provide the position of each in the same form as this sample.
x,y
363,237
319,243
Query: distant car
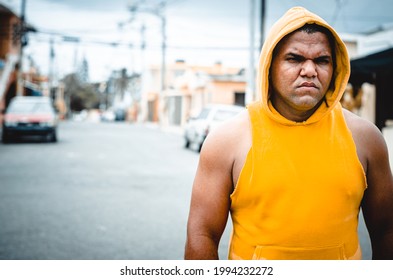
x,y
197,129
108,116
120,114
30,116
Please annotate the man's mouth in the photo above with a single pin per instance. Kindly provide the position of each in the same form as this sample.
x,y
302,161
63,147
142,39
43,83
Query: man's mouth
x,y
308,84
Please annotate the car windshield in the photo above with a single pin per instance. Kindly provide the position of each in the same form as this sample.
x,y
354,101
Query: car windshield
x,y
204,114
30,108
222,115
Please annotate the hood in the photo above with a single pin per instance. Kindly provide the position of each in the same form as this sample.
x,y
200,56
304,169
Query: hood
x,y
292,20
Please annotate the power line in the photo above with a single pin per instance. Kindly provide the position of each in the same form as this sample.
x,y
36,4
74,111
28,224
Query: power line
x,y
81,41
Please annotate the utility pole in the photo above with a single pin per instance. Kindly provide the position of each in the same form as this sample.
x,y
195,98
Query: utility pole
x,y
250,90
163,46
51,66
143,98
22,41
263,21
251,79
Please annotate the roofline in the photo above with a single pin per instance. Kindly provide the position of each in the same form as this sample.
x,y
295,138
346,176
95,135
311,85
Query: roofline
x,y
379,28
7,10
351,37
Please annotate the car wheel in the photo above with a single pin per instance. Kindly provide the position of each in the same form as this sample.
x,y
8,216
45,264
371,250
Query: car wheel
x,y
54,137
51,137
200,147
187,144
5,137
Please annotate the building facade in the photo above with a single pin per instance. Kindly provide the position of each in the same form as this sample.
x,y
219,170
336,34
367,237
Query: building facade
x,y
188,89
9,55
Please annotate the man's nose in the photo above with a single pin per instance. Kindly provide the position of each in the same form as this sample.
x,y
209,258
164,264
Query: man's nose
x,y
309,68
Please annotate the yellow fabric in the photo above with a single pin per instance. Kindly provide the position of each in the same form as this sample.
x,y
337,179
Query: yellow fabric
x,y
299,192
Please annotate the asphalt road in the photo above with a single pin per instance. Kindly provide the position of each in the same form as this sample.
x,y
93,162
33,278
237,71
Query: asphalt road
x,y
104,191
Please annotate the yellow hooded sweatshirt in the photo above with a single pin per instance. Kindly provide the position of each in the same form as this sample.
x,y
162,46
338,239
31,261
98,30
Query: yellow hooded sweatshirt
x,y
299,192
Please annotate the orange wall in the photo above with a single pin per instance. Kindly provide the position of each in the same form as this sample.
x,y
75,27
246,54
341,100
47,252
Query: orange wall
x,y
224,92
6,45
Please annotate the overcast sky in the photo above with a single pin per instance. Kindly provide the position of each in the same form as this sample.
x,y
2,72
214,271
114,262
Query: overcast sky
x,y
198,31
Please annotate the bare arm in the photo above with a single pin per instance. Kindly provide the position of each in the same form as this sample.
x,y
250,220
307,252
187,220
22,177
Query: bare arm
x,y
210,202
377,202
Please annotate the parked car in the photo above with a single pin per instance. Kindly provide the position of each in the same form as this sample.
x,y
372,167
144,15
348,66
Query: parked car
x,y
197,129
108,116
28,116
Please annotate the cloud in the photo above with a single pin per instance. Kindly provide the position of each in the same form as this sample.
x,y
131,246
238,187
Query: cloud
x,y
91,5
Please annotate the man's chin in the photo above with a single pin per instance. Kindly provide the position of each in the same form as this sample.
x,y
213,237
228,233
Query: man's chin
x,y
306,103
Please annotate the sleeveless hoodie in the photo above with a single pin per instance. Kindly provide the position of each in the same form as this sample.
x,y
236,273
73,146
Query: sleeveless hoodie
x,y
299,192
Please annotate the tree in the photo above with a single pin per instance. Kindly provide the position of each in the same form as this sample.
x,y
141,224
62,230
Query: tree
x,y
79,95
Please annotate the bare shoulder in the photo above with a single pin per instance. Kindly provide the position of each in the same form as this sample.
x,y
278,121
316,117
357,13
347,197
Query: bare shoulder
x,y
363,131
370,143
356,123
227,146
229,138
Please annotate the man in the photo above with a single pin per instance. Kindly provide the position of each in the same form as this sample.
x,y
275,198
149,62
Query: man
x,y
295,168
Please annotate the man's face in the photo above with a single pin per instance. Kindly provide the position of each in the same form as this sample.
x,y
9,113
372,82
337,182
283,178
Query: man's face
x,y
301,73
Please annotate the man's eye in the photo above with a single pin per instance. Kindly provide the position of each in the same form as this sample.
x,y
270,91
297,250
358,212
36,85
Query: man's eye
x,y
293,59
323,61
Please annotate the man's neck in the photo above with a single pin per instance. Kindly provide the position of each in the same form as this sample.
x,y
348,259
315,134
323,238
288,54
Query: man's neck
x,y
295,115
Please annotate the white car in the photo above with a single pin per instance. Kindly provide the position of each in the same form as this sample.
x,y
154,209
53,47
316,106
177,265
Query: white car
x,y
197,129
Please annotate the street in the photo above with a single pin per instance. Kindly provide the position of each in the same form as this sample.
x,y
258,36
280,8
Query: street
x,y
104,191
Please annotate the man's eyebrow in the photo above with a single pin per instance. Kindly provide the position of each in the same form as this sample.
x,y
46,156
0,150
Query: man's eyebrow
x,y
324,57
299,56
295,55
